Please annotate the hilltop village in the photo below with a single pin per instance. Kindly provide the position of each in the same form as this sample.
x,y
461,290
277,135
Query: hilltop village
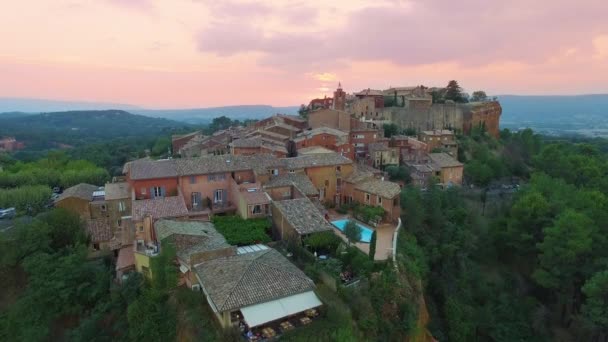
x,y
299,177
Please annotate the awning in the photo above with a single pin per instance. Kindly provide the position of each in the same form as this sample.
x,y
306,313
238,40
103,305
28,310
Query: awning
x,y
275,309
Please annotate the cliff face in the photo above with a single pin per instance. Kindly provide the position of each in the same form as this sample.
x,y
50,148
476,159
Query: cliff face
x,y
459,117
485,114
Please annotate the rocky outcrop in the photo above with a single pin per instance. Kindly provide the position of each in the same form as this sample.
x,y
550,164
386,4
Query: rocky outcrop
x,y
454,116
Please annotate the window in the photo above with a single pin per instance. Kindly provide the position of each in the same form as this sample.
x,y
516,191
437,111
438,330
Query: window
x,y
121,206
326,183
367,198
192,179
103,207
218,196
257,209
360,136
339,168
379,200
143,191
141,228
292,171
275,172
158,191
119,222
374,136
96,246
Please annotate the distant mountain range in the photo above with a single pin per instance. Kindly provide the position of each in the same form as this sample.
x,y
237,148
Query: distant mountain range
x,y
577,114
24,106
77,128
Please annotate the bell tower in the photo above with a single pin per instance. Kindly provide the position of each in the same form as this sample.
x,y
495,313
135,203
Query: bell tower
x,y
339,98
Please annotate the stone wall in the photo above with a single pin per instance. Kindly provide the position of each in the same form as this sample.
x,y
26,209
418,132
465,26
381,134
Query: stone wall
x,y
458,117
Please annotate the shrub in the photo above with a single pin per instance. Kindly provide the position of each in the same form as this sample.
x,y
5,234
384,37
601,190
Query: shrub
x,y
323,242
240,232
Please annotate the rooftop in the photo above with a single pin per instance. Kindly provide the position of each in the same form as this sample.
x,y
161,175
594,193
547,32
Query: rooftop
x,y
316,160
321,130
164,207
190,237
99,230
303,215
247,142
151,169
116,191
361,172
444,160
314,150
377,147
370,92
83,191
438,132
251,278
300,181
379,187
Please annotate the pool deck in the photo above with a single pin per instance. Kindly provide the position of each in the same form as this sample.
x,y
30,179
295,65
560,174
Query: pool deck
x,y
384,238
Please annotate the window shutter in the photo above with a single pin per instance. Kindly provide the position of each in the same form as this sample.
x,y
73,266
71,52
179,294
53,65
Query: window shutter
x,y
152,192
162,191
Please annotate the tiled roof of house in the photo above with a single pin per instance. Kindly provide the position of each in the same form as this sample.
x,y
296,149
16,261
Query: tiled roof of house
x,y
291,117
302,182
321,130
370,92
379,187
127,166
314,150
99,230
212,164
247,142
444,160
438,132
190,237
177,137
83,191
151,169
126,258
360,173
116,191
164,207
257,197
316,160
251,278
302,215
377,147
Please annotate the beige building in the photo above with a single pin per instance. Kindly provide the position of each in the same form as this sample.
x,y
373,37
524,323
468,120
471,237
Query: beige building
x,y
447,168
380,155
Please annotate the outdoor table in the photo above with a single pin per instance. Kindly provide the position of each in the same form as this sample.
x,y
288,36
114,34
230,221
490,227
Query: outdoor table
x,y
286,326
305,320
311,313
268,332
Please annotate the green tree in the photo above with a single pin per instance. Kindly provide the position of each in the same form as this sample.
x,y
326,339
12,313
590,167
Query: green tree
x,y
352,232
372,246
303,112
595,309
390,130
563,257
454,92
162,146
478,96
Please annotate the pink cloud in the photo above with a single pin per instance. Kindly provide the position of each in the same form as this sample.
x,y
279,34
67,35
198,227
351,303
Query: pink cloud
x,y
467,32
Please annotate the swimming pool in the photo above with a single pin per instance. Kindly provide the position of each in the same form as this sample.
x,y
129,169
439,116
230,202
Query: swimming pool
x,y
366,233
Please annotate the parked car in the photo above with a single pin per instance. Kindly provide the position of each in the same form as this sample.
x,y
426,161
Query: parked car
x,y
7,213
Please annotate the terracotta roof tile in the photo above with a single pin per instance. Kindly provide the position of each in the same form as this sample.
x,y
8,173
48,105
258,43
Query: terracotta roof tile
x,y
164,207
251,278
302,215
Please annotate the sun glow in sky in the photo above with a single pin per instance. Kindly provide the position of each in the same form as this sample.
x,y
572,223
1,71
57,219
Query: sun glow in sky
x,y
189,53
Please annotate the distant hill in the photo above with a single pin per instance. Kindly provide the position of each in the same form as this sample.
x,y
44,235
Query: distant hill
x,y
205,115
74,128
578,114
32,105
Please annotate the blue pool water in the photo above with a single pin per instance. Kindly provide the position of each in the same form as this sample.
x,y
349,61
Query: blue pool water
x,y
366,233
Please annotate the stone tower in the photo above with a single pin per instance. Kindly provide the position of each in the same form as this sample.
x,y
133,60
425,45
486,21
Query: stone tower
x,y
339,98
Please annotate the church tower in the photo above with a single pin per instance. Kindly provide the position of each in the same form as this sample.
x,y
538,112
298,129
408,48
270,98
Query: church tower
x,y
339,98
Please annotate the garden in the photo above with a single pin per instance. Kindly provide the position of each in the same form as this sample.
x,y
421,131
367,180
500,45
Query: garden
x,y
241,232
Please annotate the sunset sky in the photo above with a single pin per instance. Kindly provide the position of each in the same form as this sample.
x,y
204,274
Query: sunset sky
x,y
189,53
